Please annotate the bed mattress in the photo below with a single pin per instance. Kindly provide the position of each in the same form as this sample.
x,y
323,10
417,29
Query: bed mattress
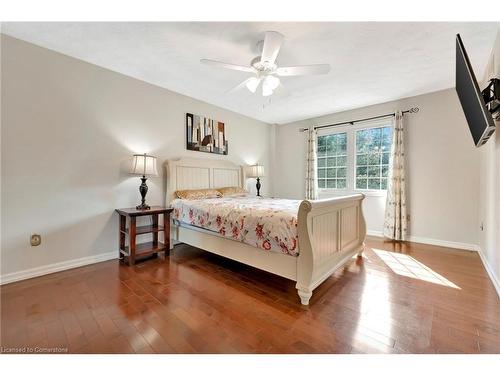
x,y
265,223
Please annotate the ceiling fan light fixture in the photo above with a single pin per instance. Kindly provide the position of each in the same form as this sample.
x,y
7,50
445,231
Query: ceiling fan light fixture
x,y
252,84
269,84
272,81
267,91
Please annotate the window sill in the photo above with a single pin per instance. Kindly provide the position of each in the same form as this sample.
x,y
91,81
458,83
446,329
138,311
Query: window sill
x,y
327,193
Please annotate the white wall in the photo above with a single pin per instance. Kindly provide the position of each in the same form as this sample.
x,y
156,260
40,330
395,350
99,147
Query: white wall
x,y
489,213
69,129
443,167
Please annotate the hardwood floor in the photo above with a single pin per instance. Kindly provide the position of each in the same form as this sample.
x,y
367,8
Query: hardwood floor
x,y
398,298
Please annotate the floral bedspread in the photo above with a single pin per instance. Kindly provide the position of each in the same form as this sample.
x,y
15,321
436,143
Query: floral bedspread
x,y
268,224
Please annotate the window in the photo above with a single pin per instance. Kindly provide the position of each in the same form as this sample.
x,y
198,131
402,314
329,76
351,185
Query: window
x,y
373,147
355,157
332,161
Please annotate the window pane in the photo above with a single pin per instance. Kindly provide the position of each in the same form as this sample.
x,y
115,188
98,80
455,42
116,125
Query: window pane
x,y
341,172
341,161
333,148
361,183
383,183
361,171
361,142
342,144
373,183
373,150
386,138
362,159
374,158
374,171
377,138
372,140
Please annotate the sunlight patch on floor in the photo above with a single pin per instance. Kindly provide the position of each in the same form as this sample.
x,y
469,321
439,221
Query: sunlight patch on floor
x,y
374,331
408,266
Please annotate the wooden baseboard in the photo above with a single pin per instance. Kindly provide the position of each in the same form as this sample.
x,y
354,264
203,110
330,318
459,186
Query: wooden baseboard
x,y
56,267
374,233
432,241
489,270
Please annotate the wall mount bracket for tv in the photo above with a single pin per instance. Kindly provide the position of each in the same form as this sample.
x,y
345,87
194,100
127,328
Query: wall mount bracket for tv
x,y
491,96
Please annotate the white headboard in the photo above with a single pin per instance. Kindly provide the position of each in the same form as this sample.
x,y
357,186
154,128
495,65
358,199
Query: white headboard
x,y
190,173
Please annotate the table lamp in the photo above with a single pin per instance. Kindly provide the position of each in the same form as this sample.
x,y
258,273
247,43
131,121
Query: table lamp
x,y
256,171
143,165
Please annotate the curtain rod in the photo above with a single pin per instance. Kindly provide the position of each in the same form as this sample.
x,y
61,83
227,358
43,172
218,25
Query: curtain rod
x,y
411,110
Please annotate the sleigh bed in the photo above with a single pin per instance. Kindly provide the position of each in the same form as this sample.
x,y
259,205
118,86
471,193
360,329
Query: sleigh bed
x,y
322,234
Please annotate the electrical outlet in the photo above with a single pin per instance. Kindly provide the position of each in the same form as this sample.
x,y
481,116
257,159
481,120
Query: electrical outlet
x,y
35,239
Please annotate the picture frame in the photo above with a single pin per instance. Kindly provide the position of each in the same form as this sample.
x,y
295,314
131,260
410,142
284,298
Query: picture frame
x,y
205,135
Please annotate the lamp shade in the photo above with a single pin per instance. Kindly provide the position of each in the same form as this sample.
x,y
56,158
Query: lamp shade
x,y
144,165
255,171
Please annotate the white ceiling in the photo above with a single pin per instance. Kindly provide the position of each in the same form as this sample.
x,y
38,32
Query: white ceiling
x,y
371,62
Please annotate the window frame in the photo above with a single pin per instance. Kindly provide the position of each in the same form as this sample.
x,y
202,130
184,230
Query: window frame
x,y
351,130
326,167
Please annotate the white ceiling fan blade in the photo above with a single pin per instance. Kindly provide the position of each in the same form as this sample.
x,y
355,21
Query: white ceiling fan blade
x,y
249,83
303,70
272,44
220,64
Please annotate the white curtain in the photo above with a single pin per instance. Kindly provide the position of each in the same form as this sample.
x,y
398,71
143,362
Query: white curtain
x,y
311,175
395,223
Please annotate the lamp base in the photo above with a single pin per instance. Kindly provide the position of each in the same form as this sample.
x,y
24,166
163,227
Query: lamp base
x,y
258,186
143,206
143,189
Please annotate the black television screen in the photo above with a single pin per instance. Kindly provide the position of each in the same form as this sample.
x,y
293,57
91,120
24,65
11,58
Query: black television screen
x,y
480,121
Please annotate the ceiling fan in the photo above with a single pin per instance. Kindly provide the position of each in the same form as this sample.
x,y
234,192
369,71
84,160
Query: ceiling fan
x,y
265,67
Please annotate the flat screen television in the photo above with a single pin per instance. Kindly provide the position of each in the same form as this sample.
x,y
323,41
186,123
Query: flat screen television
x,y
481,124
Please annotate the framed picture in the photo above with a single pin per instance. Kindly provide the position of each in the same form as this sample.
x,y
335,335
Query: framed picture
x,y
205,135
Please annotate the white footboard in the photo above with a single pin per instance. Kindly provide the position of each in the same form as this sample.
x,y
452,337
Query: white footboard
x,y
330,232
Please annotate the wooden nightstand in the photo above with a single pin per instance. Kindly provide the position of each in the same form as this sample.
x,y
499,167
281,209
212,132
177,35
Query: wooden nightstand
x,y
134,250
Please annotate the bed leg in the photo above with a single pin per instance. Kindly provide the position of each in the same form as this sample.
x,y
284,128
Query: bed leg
x,y
304,294
361,249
